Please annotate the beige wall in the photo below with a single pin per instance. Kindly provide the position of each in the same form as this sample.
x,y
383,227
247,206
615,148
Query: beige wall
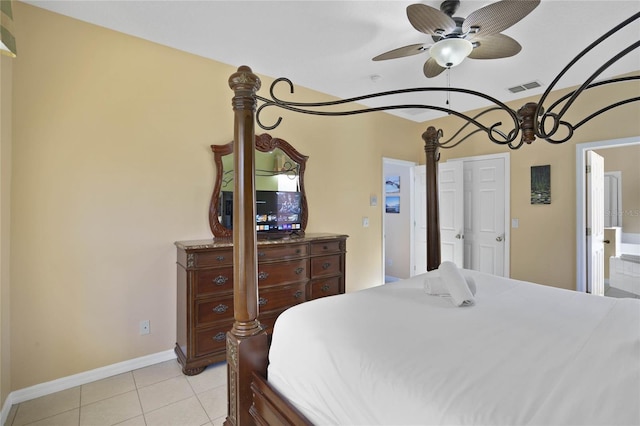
x,y
111,165
543,247
6,71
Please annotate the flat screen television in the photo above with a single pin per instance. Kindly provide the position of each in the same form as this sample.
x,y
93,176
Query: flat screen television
x,y
277,212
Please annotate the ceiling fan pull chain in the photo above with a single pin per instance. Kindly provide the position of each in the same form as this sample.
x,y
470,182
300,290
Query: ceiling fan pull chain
x,y
449,92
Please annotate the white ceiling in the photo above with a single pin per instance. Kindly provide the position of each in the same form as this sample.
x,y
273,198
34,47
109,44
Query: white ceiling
x,y
328,45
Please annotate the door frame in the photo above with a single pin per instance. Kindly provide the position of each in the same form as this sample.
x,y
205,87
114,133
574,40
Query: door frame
x,y
581,214
409,165
507,201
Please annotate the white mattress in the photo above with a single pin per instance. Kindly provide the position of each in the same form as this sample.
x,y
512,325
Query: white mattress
x,y
524,354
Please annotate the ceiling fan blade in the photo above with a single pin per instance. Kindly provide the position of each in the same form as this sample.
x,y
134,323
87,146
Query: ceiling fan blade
x,y
431,68
495,46
498,16
412,49
429,20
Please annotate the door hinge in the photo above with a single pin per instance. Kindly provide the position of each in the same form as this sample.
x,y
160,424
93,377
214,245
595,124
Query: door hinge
x,y
588,232
588,169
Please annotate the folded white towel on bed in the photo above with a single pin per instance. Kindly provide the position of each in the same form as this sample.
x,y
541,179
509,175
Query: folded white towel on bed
x,y
434,285
456,284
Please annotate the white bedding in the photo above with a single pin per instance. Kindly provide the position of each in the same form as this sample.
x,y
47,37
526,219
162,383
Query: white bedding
x,y
524,354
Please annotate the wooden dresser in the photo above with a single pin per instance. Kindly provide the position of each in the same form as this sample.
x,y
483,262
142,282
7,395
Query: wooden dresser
x,y
290,271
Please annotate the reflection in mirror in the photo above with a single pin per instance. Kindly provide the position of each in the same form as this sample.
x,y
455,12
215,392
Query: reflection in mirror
x,y
280,197
275,171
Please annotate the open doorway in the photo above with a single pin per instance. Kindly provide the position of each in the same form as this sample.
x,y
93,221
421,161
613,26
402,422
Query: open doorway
x,y
629,236
397,218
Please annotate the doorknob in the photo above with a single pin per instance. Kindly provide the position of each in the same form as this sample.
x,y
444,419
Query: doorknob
x,y
606,241
499,238
458,236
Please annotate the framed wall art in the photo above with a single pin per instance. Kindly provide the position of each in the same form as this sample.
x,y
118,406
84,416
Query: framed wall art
x,y
541,184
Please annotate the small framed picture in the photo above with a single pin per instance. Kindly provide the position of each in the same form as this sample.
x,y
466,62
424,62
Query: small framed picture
x,y
541,184
392,184
392,204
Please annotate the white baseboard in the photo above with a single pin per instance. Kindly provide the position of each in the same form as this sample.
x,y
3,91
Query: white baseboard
x,y
69,382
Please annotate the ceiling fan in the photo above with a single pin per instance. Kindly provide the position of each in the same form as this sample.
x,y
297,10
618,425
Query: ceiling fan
x,y
477,36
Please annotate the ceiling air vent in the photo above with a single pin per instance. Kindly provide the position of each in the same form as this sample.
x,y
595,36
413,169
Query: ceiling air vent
x,y
523,87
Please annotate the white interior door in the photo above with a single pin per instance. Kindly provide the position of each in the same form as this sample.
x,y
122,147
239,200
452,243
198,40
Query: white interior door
x,y
479,208
484,228
451,211
451,206
595,223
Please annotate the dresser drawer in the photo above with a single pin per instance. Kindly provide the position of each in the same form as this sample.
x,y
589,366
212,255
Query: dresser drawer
x,y
325,287
281,297
212,281
209,311
270,274
212,258
211,340
326,266
325,247
268,320
282,252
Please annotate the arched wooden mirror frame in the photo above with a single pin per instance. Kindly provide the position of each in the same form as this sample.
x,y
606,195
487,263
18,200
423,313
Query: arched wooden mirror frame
x,y
264,143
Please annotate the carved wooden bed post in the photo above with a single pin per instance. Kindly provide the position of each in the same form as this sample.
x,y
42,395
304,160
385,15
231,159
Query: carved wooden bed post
x,y
431,137
247,343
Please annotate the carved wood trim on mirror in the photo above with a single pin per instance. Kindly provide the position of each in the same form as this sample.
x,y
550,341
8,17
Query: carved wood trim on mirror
x,y
293,169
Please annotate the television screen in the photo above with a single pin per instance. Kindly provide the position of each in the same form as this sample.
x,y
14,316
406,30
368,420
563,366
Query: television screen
x,y
276,211
288,210
266,211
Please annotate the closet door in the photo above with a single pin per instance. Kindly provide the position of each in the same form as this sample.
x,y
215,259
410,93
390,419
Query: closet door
x,y
450,184
450,203
472,217
484,217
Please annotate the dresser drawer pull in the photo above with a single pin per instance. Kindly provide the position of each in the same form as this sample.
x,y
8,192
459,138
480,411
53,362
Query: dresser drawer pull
x,y
298,251
326,265
325,247
261,254
299,270
219,337
220,309
262,301
220,280
297,294
326,288
263,275
220,258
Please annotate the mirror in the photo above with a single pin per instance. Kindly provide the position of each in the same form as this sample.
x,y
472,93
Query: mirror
x,y
279,167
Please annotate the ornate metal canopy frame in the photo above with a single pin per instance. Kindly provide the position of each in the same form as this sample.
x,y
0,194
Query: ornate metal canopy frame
x,y
531,121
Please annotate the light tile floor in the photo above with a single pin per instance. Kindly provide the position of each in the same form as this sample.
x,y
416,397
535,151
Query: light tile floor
x,y
152,396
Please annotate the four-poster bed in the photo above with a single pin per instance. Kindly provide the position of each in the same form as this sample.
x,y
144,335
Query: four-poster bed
x,y
252,399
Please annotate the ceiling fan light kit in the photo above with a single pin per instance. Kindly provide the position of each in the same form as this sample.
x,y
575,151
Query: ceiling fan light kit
x,y
478,36
450,52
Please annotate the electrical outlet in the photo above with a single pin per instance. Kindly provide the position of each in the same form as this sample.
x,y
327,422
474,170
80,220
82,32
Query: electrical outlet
x,y
145,327
365,222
